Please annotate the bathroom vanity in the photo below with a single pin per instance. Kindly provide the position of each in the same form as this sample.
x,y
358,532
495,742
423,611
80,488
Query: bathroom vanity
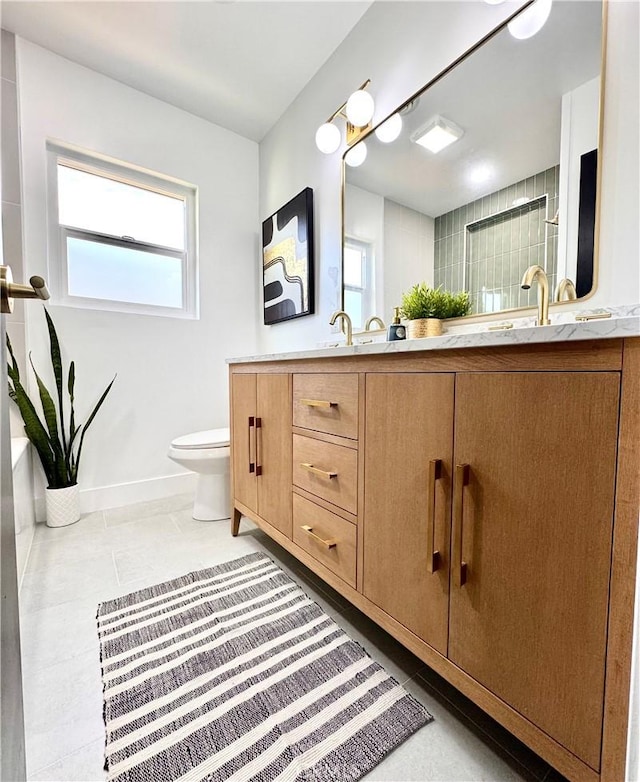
x,y
478,502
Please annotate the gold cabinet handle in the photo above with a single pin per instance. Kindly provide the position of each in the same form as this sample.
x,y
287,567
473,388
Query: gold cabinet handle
x,y
252,464
317,471
461,480
433,556
331,543
318,403
258,442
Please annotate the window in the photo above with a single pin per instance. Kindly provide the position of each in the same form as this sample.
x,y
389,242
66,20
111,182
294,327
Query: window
x,y
355,280
120,238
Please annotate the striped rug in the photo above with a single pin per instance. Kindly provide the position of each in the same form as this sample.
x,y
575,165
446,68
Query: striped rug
x,y
234,673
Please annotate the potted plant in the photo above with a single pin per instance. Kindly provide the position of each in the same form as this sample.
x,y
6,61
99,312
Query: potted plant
x,y
58,447
425,308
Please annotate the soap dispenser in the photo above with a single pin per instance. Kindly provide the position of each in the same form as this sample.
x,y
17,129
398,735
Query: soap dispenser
x,y
396,330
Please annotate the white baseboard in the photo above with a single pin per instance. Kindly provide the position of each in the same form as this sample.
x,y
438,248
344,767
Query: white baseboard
x,y
103,497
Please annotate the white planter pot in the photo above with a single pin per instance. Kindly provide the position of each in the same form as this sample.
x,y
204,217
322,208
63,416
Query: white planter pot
x,y
63,507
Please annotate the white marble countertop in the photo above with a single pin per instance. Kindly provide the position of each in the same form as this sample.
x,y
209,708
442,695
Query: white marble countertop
x,y
624,322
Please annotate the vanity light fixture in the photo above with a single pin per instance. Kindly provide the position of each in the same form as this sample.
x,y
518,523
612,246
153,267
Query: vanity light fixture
x,y
437,134
356,156
389,130
328,138
358,113
531,20
359,108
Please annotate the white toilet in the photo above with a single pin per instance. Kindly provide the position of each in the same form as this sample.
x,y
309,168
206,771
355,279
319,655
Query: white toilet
x,y
207,454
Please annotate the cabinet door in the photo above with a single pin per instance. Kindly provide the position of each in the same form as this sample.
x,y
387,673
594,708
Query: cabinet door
x,y
409,425
274,450
533,523
243,433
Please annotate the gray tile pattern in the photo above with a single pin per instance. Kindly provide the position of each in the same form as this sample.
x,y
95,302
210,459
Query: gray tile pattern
x,y
111,553
496,241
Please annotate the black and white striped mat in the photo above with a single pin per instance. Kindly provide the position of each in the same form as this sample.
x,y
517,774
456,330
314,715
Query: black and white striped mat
x,y
234,673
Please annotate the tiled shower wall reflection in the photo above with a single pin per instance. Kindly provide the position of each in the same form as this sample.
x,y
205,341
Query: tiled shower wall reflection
x,y
499,244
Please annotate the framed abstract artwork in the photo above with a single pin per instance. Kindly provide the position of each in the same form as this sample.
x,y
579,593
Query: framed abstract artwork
x,y
287,260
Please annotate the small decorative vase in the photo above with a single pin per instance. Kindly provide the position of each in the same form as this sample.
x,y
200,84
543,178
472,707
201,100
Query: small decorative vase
x,y
424,327
63,507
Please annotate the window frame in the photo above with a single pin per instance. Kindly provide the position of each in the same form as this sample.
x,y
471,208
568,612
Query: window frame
x,y
366,254
128,174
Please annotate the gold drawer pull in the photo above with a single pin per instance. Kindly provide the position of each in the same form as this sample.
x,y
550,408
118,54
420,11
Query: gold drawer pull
x,y
252,464
258,446
318,403
433,555
461,480
331,543
316,471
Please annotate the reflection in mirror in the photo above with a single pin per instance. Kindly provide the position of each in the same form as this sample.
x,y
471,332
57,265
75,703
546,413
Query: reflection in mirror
x,y
515,184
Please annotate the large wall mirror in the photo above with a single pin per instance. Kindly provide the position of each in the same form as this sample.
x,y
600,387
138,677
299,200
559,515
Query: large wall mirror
x,y
514,186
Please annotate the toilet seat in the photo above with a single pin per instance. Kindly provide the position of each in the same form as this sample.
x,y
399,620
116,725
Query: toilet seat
x,y
211,438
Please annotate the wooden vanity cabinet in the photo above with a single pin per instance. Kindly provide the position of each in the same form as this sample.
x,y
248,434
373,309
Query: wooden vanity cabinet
x,y
484,512
533,476
407,487
325,477
261,447
326,403
534,482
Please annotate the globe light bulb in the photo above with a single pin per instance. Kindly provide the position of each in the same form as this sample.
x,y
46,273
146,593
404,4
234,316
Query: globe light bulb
x,y
360,108
327,138
531,20
356,156
389,130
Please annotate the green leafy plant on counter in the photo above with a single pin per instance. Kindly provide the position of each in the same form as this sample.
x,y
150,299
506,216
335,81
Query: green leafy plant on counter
x,y
421,301
59,448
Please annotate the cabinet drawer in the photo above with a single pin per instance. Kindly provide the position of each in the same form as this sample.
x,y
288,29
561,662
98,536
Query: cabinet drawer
x,y
329,539
326,403
326,470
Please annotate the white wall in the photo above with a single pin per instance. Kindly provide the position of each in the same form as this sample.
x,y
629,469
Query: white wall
x,y
580,119
172,378
619,277
384,46
408,250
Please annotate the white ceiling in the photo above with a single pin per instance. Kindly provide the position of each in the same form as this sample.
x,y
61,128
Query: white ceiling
x,y
237,64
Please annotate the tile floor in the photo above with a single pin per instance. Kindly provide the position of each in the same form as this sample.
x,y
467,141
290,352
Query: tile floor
x,y
113,552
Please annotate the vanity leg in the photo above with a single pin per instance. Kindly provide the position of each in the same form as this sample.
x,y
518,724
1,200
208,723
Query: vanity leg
x,y
235,522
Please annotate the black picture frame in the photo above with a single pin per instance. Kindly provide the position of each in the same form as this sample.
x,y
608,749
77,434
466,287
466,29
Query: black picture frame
x,y
288,260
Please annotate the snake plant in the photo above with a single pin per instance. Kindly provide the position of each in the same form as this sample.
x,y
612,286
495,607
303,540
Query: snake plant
x,y
58,447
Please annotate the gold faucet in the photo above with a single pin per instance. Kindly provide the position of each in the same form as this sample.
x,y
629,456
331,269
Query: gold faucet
x,y
373,318
538,273
565,289
346,321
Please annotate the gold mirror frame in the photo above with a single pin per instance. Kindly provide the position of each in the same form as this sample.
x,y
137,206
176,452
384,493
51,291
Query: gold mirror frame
x,y
489,316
